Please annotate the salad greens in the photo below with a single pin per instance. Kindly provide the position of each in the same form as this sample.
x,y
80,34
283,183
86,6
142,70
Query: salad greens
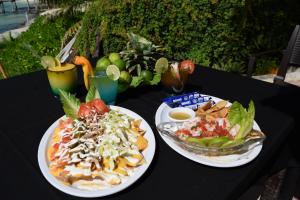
x,y
244,118
71,104
92,94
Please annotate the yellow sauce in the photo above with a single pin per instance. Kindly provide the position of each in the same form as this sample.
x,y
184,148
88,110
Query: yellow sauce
x,y
180,115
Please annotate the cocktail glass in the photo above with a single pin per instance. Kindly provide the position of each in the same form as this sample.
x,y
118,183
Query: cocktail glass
x,y
63,77
106,87
172,83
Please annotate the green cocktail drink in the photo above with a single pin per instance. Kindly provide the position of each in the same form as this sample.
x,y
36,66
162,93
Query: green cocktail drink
x,y
106,87
62,77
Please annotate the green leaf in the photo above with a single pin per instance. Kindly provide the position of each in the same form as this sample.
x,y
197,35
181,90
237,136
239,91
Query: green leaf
x,y
70,103
236,113
136,81
92,94
247,122
156,79
244,118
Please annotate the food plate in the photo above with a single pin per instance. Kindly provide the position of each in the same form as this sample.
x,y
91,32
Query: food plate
x,y
233,160
148,155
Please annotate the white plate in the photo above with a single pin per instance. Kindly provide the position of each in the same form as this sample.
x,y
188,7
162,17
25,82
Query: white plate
x,y
148,154
214,161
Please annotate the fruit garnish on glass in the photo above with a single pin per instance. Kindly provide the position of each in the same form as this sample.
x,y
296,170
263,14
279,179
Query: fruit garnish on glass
x,y
86,68
60,76
175,75
105,76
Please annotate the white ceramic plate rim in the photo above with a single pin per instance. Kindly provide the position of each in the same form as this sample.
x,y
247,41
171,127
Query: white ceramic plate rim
x,y
148,154
220,161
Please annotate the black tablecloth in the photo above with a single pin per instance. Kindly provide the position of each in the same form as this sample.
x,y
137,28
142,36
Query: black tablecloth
x,y
28,109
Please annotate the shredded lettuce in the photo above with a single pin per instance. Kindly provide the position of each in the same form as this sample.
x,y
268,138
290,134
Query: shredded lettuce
x,y
239,115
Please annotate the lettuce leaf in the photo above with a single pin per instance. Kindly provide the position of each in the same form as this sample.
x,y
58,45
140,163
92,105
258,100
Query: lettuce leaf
x,y
236,113
92,94
70,103
239,115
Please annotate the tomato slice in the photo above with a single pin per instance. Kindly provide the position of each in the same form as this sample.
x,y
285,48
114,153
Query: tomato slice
x,y
84,110
187,65
100,106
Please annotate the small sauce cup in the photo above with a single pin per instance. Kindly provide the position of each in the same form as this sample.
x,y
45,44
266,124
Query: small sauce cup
x,y
181,114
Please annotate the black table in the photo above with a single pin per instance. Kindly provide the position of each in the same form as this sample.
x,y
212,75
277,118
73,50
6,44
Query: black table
x,y
28,109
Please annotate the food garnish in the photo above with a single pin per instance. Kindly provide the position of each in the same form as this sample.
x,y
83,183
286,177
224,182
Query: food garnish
x,y
70,103
86,68
188,66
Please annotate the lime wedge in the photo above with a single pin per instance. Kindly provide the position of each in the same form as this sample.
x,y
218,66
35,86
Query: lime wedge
x,y
48,61
161,65
113,72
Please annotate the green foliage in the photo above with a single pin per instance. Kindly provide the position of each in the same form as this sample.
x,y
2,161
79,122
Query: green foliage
x,y
216,33
136,81
266,65
23,54
156,79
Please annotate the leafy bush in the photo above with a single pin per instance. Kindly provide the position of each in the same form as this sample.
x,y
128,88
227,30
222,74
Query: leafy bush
x,y
216,33
22,55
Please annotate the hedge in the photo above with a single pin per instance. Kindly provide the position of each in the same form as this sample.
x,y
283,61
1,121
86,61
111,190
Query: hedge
x,y
216,33
23,54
